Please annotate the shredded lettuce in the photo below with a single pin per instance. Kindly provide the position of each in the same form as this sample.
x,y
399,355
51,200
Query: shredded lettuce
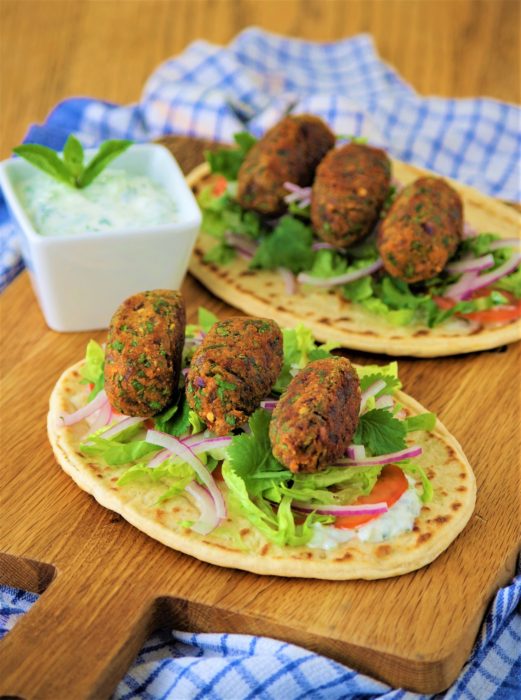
x,y
92,369
299,349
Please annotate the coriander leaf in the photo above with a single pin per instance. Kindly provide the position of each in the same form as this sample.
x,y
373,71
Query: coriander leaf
x,y
228,161
73,156
288,246
250,452
106,153
391,383
425,421
221,254
380,433
47,160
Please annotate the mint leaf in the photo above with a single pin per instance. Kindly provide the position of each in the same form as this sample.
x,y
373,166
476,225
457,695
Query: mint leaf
x,y
288,246
47,160
73,156
380,433
106,153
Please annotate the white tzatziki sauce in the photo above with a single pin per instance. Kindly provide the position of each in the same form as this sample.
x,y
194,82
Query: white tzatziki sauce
x,y
114,200
399,518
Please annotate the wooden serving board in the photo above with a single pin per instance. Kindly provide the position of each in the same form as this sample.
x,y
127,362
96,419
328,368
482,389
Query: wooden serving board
x,y
106,586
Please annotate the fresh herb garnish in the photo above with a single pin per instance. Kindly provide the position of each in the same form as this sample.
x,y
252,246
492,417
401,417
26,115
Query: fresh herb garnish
x,y
227,161
71,169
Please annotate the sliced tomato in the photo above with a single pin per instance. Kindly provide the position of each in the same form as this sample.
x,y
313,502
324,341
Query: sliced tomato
x,y
495,315
391,484
219,185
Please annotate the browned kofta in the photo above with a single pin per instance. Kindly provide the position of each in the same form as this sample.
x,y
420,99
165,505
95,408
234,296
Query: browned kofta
x,y
350,188
289,152
234,368
421,230
143,352
317,416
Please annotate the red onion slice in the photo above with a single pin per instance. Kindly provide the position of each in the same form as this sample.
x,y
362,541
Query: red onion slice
x,y
97,402
384,401
356,452
365,509
184,452
289,280
371,391
208,518
159,458
505,243
268,404
208,444
408,453
339,279
469,231
127,422
471,265
244,245
321,245
102,419
466,285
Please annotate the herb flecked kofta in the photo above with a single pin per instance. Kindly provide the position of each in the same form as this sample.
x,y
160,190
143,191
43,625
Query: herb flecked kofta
x,y
234,368
317,416
289,152
350,188
143,353
422,230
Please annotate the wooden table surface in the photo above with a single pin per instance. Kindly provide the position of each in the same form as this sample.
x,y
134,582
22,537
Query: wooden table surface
x,y
53,49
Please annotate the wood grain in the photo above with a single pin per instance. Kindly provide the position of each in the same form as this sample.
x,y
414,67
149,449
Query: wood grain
x,y
53,49
107,585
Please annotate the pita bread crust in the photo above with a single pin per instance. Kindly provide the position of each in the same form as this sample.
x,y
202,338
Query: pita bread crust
x,y
236,544
331,317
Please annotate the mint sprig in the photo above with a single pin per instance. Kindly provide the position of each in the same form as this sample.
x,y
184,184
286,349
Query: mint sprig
x,y
71,169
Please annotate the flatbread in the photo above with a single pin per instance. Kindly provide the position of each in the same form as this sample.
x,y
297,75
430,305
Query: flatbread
x,y
236,543
331,317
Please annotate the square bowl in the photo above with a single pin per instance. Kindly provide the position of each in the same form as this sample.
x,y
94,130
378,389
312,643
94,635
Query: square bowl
x,y
80,279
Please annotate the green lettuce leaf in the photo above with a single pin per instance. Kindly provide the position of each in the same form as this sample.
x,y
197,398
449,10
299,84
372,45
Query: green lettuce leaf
x,y
299,349
228,161
92,370
425,421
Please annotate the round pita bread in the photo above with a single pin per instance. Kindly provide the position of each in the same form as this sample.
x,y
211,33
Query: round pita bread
x,y
331,317
236,543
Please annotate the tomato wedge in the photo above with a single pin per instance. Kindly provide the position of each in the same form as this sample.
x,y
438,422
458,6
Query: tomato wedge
x,y
392,483
495,315
219,185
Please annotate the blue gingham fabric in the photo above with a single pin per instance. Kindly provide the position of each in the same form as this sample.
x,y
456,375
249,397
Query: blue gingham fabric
x,y
213,92
189,666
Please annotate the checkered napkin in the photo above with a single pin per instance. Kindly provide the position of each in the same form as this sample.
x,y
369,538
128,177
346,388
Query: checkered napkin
x,y
214,92
186,666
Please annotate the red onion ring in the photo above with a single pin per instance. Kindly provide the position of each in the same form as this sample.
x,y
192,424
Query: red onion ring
x,y
408,453
470,265
340,279
184,452
371,391
208,518
97,402
289,280
464,288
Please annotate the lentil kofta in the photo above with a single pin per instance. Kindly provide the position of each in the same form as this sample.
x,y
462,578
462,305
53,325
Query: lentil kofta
x,y
289,152
422,230
350,188
316,417
233,369
143,353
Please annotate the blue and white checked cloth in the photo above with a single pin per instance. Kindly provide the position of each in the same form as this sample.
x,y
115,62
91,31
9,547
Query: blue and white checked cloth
x,y
213,92
186,666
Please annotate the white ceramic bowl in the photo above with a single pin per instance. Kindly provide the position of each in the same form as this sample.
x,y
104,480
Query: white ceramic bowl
x,y
81,279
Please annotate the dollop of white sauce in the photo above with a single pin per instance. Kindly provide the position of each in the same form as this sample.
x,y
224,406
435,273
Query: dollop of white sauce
x,y
114,200
399,519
